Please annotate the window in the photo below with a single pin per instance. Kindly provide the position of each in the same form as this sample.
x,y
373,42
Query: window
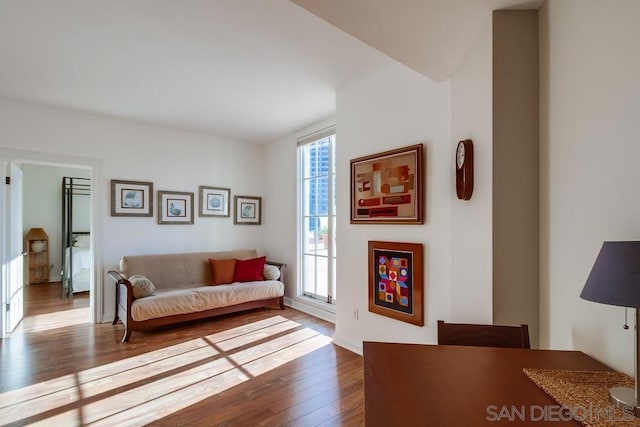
x,y
316,215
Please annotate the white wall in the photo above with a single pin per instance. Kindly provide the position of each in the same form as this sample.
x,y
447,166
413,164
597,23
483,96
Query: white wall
x,y
394,108
590,105
42,207
280,202
472,103
172,159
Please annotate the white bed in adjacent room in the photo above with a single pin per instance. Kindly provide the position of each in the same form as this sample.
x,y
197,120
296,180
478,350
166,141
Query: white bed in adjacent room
x,y
78,266
76,237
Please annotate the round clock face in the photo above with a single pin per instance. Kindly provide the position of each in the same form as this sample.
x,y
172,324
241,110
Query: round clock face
x,y
460,155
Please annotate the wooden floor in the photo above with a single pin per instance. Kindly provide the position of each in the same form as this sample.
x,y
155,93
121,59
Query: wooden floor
x,y
263,367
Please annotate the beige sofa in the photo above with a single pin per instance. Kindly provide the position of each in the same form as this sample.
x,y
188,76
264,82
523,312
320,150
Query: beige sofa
x,y
183,291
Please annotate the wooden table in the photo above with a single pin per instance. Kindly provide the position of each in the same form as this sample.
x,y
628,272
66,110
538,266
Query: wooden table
x,y
442,385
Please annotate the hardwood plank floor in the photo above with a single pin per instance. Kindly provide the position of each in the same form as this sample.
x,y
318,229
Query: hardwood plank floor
x,y
262,367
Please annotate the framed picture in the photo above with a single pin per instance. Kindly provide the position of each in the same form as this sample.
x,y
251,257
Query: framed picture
x,y
131,198
395,281
248,210
214,201
386,188
175,207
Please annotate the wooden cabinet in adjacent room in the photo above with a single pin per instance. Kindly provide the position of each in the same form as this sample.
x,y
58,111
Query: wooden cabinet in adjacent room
x,y
36,245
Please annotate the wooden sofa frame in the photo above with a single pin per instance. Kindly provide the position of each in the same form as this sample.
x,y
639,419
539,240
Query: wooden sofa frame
x,y
124,299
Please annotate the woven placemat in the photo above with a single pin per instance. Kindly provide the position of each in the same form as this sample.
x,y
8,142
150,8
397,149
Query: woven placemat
x,y
584,395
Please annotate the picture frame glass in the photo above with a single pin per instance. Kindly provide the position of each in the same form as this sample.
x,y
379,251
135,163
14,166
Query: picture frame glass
x,y
176,208
394,280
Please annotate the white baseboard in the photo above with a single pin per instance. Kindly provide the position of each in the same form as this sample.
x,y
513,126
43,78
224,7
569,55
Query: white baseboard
x,y
310,309
347,345
107,317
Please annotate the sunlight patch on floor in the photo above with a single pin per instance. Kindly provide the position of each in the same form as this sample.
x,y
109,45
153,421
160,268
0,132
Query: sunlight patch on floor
x,y
58,319
148,387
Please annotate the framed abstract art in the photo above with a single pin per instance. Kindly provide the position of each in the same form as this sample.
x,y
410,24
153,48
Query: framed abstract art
x,y
387,188
395,281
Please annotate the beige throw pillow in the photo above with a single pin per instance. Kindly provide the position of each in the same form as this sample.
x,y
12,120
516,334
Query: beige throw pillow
x,y
142,286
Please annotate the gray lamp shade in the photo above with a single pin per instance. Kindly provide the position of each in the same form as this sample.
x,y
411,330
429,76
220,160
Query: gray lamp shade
x,y
615,276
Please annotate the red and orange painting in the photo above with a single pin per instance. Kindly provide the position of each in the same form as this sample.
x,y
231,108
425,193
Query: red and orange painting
x,y
387,187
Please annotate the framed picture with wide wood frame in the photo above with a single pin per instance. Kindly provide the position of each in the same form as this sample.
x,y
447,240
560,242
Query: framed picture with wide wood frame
x,y
387,188
175,207
395,281
131,198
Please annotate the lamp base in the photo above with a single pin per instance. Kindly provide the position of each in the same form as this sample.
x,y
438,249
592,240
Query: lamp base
x,y
624,398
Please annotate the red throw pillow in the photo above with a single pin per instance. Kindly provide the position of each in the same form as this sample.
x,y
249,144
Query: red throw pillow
x,y
249,270
222,270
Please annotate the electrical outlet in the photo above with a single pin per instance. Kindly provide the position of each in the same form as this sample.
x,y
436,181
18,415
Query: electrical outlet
x,y
355,314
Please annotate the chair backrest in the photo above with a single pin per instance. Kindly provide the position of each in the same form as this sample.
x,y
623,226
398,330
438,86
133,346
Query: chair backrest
x,y
483,335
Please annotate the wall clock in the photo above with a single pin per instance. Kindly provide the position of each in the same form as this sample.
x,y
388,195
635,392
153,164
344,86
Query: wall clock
x,y
464,169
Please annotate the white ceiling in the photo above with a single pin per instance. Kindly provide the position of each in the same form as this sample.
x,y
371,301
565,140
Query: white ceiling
x,y
250,70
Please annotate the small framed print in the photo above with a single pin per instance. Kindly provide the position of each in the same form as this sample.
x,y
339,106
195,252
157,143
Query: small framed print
x,y
131,198
175,207
214,201
248,210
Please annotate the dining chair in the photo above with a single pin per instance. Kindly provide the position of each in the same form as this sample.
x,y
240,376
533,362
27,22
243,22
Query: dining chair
x,y
483,335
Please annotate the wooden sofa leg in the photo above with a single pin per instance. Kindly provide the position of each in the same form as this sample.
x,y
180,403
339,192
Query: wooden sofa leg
x,y
281,303
126,336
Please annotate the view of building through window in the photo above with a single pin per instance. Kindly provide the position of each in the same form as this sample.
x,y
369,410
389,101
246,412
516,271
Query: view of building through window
x,y
317,212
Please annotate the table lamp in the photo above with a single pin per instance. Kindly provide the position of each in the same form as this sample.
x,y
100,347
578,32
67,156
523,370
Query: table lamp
x,y
615,280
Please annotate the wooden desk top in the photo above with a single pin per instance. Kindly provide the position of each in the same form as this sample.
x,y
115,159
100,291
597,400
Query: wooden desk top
x,y
431,385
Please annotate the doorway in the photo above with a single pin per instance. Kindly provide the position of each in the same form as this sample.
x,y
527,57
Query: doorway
x,y
38,211
57,202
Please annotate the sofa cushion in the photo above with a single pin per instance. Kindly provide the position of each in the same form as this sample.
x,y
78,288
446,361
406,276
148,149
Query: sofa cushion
x,y
141,285
249,270
222,270
184,270
169,302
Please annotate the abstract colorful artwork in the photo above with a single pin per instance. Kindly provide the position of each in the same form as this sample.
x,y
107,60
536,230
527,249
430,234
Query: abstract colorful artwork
x,y
387,187
395,280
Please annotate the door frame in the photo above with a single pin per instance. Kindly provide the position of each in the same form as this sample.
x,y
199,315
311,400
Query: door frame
x,y
96,308
11,247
